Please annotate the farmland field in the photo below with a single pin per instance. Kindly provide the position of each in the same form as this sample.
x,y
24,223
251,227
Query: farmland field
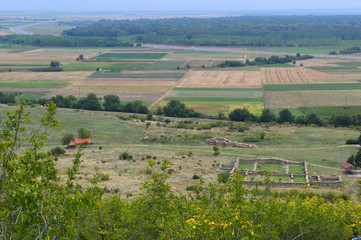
x,y
216,95
297,75
21,76
314,86
221,79
138,75
45,55
34,84
158,65
87,66
134,55
294,99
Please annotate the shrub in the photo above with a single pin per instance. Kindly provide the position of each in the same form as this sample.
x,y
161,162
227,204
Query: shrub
x,y
84,133
57,151
223,177
194,188
216,151
352,141
195,177
104,176
148,171
125,156
67,138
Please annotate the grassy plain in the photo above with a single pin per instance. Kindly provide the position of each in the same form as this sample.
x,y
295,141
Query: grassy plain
x,y
323,148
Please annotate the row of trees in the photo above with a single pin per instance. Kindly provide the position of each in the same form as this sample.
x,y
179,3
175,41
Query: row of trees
x,y
63,41
37,204
231,31
175,108
265,61
92,102
285,116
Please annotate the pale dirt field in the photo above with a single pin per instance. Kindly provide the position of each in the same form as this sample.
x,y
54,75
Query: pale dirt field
x,y
294,99
117,88
123,96
21,76
298,76
121,86
42,55
127,176
222,79
320,62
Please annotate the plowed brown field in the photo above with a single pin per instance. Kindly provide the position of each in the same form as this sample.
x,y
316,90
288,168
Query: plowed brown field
x,y
297,75
222,79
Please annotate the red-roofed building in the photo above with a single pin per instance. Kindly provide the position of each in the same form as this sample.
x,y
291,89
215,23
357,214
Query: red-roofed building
x,y
347,167
80,142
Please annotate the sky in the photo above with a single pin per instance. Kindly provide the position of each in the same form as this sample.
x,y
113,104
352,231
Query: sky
x,y
181,5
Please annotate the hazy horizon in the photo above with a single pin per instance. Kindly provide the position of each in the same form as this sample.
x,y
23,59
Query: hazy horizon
x,y
182,6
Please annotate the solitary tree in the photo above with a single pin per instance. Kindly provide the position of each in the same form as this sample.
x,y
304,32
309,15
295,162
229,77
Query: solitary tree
x,y
84,133
54,64
67,138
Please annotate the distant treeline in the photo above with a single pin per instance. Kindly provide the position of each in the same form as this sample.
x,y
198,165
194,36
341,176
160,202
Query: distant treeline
x,y
265,61
231,31
63,41
285,116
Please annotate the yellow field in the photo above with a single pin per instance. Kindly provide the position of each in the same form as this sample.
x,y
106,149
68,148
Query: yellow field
x,y
21,76
294,99
222,79
298,76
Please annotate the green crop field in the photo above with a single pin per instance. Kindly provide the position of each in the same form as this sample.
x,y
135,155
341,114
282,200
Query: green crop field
x,y
35,84
215,94
337,70
136,75
131,55
315,86
326,112
87,66
159,65
350,64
